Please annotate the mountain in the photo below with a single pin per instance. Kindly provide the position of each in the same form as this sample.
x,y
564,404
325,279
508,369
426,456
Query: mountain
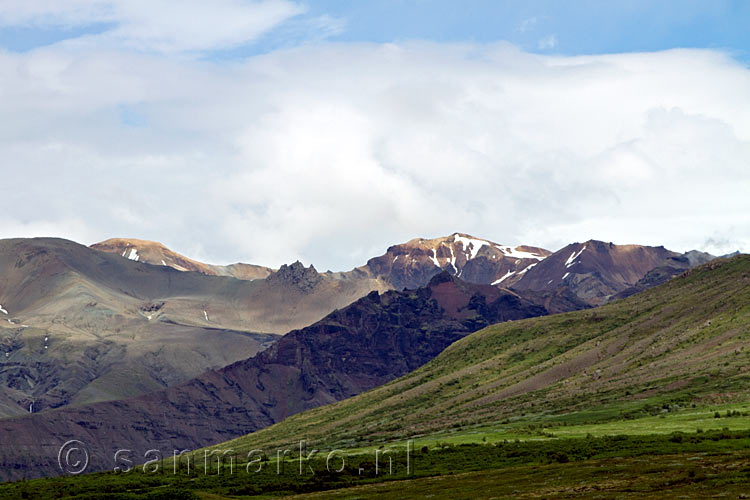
x,y
354,349
412,264
682,343
79,325
157,254
596,271
406,265
674,266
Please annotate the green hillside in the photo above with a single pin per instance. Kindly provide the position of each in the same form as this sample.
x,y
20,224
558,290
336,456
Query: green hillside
x,y
674,352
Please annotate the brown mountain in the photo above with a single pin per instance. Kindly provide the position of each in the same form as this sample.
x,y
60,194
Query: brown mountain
x,y
412,264
368,343
157,254
596,271
79,325
674,266
406,265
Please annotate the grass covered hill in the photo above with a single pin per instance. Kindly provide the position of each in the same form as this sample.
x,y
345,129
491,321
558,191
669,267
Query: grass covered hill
x,y
686,342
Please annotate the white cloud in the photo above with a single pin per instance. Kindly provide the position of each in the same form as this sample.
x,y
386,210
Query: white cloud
x,y
156,25
330,153
548,42
62,13
527,24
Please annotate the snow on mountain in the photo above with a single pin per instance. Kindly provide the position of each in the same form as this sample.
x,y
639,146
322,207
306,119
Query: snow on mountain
x,y
476,260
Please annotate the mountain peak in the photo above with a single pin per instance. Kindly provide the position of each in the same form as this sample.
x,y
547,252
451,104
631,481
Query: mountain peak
x,y
304,278
474,260
595,270
155,253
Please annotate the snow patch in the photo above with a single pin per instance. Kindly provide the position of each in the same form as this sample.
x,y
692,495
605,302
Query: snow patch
x,y
574,256
528,267
453,259
470,245
507,275
124,252
566,275
518,254
3,310
433,258
163,263
134,254
205,314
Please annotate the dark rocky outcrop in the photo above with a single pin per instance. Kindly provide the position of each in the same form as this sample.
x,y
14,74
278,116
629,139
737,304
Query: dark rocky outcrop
x,y
297,275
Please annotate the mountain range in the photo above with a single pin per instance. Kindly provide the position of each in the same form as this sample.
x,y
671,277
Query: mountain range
x,y
595,271
81,325
133,319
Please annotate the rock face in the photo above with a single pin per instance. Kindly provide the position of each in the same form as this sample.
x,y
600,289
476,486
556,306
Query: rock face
x,y
296,275
366,344
157,254
412,264
595,271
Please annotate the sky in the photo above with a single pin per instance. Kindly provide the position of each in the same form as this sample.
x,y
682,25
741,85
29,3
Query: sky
x,y
274,130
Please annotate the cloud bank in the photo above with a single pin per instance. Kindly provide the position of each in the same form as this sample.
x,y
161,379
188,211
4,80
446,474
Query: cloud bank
x,y
331,152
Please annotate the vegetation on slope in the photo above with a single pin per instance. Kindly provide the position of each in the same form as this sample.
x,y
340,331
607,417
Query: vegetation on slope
x,y
680,344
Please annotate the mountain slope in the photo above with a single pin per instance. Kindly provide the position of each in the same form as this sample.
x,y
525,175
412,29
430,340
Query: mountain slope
x,y
686,341
412,264
366,344
157,254
79,325
595,271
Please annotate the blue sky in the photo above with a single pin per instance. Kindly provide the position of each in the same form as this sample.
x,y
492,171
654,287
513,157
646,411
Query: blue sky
x,y
569,28
273,130
581,27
